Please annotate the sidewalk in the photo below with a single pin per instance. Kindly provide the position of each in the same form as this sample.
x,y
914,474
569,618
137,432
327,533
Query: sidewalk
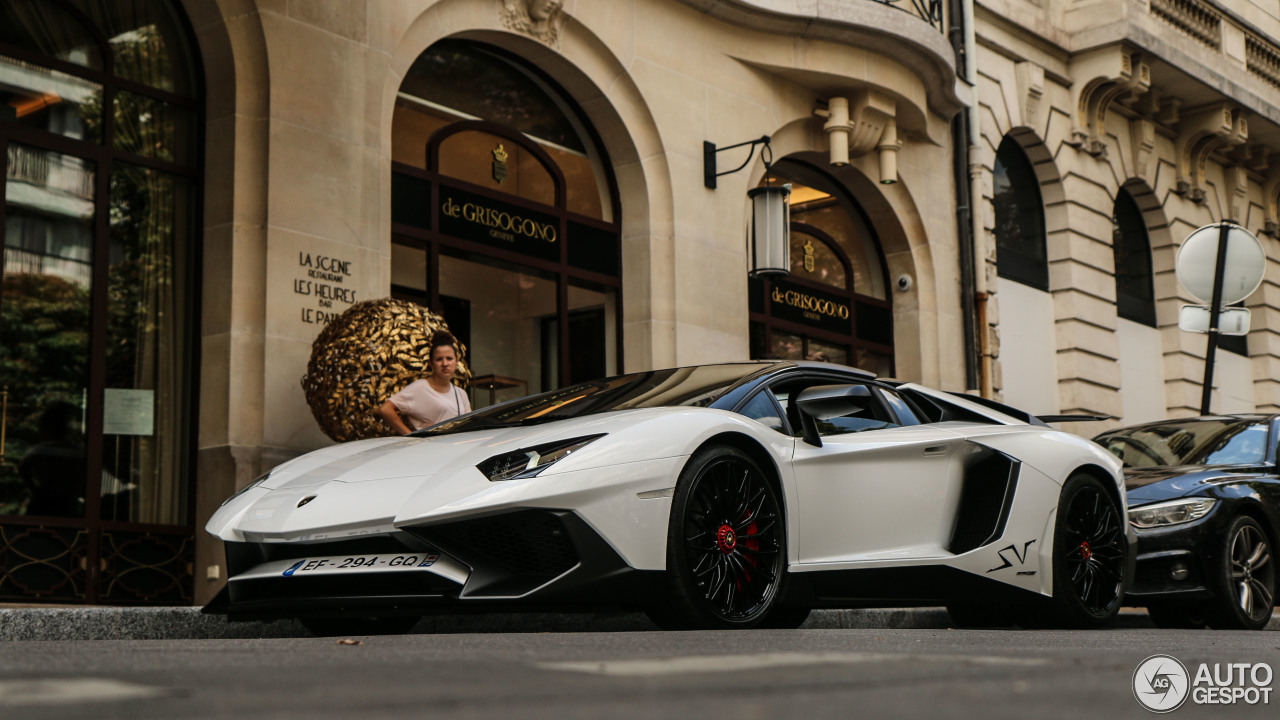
x,y
187,623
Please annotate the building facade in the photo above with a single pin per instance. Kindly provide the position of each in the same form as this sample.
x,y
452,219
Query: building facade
x,y
194,188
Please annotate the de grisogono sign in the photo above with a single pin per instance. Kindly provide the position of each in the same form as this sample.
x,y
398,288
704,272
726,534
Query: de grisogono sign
x,y
801,304
480,219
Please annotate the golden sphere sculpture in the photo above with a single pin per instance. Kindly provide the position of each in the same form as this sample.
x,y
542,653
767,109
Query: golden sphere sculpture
x,y
363,357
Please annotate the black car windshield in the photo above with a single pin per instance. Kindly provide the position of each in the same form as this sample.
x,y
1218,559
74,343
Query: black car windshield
x,y
1194,442
689,386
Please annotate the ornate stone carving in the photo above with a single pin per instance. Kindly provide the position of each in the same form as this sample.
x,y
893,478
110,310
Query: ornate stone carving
x,y
1219,127
539,19
1101,78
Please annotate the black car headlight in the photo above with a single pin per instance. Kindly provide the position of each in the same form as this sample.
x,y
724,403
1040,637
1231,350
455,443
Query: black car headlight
x,y
528,462
1174,512
261,479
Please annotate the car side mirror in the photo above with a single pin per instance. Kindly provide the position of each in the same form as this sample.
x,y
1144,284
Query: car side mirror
x,y
823,402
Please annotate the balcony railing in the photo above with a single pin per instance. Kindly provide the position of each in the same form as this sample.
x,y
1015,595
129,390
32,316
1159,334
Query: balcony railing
x,y
1204,22
928,10
1198,19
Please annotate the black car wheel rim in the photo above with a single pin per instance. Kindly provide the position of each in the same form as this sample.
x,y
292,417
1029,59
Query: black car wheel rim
x,y
1094,547
1252,573
732,532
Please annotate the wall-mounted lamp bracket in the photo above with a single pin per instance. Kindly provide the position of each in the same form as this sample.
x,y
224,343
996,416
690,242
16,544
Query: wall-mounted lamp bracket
x,y
709,151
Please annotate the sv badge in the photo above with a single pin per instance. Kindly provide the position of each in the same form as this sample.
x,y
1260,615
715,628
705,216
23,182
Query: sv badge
x,y
1021,557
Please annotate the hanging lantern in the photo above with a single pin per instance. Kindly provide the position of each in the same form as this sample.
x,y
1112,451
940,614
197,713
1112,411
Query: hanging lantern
x,y
770,230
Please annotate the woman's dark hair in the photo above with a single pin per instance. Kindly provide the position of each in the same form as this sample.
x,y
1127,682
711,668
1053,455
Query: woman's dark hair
x,y
442,338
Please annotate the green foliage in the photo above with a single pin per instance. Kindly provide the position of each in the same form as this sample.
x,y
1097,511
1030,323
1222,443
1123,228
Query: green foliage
x,y
44,358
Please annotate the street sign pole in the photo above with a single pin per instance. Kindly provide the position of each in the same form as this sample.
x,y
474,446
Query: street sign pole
x,y
1215,309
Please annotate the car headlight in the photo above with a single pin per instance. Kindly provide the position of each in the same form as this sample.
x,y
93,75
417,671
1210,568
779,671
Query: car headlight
x,y
528,462
1174,512
261,479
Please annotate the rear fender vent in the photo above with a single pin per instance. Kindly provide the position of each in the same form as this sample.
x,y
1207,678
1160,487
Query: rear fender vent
x,y
990,479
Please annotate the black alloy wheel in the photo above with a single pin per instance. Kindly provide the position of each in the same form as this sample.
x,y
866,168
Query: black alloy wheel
x,y
1244,595
1089,555
725,545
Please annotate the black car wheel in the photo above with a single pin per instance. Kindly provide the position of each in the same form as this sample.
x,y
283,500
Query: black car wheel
x,y
725,544
1089,554
1245,579
330,627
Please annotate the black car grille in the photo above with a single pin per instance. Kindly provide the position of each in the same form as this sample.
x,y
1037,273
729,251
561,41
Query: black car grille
x,y
529,543
985,499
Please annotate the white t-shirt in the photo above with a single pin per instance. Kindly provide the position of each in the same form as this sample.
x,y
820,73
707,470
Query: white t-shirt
x,y
425,406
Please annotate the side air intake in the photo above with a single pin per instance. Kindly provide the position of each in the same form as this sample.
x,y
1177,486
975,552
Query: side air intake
x,y
990,480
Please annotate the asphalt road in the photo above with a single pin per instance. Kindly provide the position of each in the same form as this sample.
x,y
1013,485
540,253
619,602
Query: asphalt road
x,y
810,674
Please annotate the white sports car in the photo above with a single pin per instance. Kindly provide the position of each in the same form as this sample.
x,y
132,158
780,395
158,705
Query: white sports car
x,y
719,496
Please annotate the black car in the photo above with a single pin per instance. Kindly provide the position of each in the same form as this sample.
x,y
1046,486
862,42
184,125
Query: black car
x,y
1204,499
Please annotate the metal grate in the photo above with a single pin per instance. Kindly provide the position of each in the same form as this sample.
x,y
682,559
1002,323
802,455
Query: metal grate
x,y
146,568
43,563
530,543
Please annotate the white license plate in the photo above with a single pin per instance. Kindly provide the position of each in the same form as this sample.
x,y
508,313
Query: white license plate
x,y
361,564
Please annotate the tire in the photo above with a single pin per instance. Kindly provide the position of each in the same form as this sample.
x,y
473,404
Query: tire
x,y
1244,581
1177,617
1089,556
726,545
970,616
331,627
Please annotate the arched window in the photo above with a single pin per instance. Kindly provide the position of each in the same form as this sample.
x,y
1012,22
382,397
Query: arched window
x,y
100,116
833,306
504,220
1135,294
1019,228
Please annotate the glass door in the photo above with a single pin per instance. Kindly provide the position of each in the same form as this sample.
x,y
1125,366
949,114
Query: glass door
x,y
45,303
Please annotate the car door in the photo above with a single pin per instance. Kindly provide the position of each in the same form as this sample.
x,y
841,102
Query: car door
x,y
883,486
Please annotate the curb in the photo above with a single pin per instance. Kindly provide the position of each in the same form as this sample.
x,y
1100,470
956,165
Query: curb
x,y
187,623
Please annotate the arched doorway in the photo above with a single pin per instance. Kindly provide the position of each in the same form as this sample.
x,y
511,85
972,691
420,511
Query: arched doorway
x,y
505,220
834,305
101,119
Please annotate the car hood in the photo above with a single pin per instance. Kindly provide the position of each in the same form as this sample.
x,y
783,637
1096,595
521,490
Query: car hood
x,y
367,486
1151,484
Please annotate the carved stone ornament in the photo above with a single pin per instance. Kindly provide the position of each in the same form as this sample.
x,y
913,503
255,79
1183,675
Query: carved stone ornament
x,y
363,357
539,19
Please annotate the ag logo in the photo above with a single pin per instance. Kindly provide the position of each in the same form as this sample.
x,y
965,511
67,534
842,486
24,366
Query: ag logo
x,y
1161,683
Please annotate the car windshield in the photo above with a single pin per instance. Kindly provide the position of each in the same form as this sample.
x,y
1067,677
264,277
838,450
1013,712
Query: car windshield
x,y
1194,442
689,386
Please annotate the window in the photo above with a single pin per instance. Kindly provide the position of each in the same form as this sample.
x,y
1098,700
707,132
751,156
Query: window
x,y
764,410
875,417
833,306
1135,295
504,220
1019,222
100,117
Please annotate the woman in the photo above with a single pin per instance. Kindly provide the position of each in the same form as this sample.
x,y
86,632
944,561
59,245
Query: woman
x,y
435,399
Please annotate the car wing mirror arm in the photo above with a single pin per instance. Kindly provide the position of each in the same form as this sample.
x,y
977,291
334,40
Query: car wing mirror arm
x,y
809,429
